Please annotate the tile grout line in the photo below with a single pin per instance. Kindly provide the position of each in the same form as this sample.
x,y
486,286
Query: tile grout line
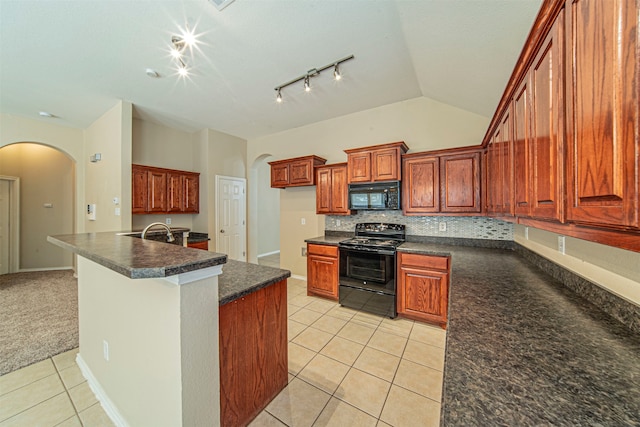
x,y
66,390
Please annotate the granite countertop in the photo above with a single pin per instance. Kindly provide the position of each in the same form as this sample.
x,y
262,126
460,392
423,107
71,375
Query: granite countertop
x,y
327,240
137,258
522,349
242,278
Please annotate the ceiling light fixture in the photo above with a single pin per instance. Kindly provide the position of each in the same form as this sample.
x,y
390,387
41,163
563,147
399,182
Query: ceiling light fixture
x,y
312,73
46,114
179,45
152,73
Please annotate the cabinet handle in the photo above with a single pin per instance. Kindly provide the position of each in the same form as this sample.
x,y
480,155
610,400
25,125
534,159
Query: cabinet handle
x,y
222,231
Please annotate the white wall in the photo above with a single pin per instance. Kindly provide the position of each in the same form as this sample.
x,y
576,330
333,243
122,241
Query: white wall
x,y
424,124
47,176
110,136
614,269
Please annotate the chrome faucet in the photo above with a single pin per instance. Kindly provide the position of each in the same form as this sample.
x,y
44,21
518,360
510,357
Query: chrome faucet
x,y
170,237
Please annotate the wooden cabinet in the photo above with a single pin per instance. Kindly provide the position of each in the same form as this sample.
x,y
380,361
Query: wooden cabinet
x,y
322,270
500,169
421,184
253,353
446,182
522,150
160,191
199,245
603,167
140,186
295,172
332,190
547,141
460,183
375,163
423,287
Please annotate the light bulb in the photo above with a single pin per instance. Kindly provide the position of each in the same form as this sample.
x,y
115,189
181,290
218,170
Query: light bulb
x,y
175,53
189,38
307,88
336,73
279,97
182,70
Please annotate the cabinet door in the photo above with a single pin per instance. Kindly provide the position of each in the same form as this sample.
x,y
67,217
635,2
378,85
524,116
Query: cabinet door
x,y
460,184
506,165
157,191
603,147
494,174
339,191
385,165
421,185
323,191
521,149
191,193
322,271
175,201
280,175
359,166
301,173
139,187
547,135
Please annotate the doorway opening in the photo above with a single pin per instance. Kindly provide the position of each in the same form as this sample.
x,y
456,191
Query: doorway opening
x,y
265,217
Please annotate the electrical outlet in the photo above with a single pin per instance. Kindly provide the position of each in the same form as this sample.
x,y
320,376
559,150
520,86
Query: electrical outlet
x,y
105,350
303,221
526,233
442,226
338,222
117,212
304,251
168,221
561,244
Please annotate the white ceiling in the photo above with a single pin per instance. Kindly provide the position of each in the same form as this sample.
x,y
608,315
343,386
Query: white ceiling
x,y
76,58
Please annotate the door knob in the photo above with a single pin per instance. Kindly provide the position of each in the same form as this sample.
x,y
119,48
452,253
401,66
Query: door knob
x,y
222,231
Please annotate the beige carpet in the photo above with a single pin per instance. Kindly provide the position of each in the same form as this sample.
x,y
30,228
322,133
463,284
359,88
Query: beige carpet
x,y
38,317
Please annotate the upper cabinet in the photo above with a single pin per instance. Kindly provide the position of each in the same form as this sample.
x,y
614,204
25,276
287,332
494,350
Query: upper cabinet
x,y
160,191
332,190
375,163
603,165
442,182
295,172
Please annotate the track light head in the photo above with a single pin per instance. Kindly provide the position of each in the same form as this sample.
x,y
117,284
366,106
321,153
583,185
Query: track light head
x,y
279,96
336,72
307,87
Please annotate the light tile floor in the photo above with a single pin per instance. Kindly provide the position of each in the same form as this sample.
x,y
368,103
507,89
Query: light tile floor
x,y
49,393
345,368
352,368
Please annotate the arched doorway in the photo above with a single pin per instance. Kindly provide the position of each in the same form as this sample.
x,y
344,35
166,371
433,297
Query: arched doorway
x,y
264,212
46,180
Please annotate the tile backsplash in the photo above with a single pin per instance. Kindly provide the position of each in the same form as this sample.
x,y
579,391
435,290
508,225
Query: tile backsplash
x,y
470,227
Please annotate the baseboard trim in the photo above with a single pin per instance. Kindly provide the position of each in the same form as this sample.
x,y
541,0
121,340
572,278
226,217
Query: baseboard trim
x,y
268,253
296,276
31,270
106,403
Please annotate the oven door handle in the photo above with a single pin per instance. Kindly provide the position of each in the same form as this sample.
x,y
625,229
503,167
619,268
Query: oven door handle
x,y
383,252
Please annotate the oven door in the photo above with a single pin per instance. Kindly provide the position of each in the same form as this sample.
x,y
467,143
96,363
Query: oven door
x,y
367,281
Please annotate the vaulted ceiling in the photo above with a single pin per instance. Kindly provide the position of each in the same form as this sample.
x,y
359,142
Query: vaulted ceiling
x,y
76,58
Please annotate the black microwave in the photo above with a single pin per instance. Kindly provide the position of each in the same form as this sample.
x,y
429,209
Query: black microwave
x,y
375,196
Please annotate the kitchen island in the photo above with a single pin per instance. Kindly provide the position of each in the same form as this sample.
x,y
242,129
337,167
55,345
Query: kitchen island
x,y
149,325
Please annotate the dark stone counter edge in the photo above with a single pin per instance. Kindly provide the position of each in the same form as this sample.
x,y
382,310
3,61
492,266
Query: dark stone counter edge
x,y
140,273
272,280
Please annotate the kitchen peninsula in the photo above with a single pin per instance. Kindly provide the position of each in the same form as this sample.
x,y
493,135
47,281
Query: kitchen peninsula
x,y
150,344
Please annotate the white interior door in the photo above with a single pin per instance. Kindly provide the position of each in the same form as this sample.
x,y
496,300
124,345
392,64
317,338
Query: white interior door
x,y
5,237
231,230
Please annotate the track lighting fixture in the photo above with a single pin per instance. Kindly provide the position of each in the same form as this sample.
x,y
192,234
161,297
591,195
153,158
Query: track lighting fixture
x,y
312,73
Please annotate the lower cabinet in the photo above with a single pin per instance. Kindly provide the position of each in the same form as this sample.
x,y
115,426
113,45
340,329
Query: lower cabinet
x,y
322,270
253,353
423,287
199,245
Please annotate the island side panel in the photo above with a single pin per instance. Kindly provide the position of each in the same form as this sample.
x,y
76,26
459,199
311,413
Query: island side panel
x,y
253,353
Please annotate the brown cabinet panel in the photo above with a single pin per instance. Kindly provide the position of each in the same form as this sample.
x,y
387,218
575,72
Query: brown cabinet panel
x,y
139,190
295,172
157,192
359,167
199,245
547,135
460,191
423,287
191,193
332,190
375,163
603,148
175,202
421,185
253,353
506,165
521,149
322,271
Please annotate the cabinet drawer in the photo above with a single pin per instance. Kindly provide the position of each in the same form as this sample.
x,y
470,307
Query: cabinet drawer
x,y
326,250
428,261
